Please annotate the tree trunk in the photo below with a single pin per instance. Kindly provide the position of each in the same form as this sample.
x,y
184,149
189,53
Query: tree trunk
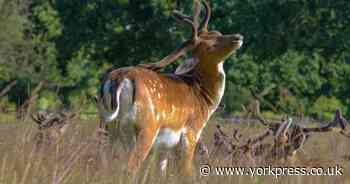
x,y
24,110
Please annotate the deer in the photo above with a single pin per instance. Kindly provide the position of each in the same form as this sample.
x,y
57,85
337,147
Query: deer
x,y
51,126
158,110
231,147
287,139
290,137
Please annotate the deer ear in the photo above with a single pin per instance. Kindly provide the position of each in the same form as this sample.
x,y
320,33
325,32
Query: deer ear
x,y
187,66
283,128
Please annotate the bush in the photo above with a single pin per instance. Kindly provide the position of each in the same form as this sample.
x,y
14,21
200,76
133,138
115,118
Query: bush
x,y
235,96
5,104
48,100
290,104
324,108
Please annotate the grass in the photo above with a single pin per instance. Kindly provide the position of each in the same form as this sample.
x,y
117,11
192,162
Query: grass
x,y
75,158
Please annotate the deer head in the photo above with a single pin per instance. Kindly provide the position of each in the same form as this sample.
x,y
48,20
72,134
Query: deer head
x,y
209,47
51,126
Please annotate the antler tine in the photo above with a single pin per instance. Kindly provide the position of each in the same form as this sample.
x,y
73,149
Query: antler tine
x,y
197,10
36,119
218,127
189,20
260,138
340,119
327,128
186,46
42,120
237,135
41,117
253,142
204,24
331,126
193,21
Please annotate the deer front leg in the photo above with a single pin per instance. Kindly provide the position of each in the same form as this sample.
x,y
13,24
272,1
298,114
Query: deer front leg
x,y
144,141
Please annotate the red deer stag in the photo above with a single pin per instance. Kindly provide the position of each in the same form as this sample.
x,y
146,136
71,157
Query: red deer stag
x,y
160,108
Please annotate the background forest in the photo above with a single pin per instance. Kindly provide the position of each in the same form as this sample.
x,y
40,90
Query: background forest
x,y
296,54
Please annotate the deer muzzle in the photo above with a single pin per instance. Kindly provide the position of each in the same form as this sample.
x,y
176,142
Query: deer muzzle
x,y
237,39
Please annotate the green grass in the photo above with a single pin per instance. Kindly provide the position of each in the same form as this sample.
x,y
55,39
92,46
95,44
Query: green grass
x,y
75,158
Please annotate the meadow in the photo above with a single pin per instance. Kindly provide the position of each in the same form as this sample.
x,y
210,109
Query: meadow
x,y
292,56
74,158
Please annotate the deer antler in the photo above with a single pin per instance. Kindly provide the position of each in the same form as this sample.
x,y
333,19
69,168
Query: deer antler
x,y
187,45
332,126
39,118
204,24
257,140
43,119
47,120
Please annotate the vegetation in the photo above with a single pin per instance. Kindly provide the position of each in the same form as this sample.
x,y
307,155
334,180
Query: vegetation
x,y
75,157
299,50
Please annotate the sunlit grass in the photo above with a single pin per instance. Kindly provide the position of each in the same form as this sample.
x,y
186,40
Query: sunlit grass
x,y
75,158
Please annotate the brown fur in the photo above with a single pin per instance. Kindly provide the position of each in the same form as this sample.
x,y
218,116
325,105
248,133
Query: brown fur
x,y
176,102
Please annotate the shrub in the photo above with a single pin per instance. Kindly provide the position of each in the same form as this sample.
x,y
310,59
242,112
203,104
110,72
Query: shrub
x,y
48,100
324,107
235,96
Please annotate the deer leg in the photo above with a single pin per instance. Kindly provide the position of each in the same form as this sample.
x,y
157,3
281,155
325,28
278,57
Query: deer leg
x,y
126,135
188,142
163,161
144,141
103,143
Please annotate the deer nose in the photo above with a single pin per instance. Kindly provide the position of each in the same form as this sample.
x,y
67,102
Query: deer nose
x,y
238,37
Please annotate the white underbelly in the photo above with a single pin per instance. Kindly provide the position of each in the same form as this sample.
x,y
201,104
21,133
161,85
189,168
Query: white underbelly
x,y
168,137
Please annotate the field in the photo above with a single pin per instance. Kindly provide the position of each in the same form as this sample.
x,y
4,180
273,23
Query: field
x,y
75,158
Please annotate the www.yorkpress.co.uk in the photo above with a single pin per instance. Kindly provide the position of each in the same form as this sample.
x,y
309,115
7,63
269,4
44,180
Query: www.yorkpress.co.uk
x,y
207,170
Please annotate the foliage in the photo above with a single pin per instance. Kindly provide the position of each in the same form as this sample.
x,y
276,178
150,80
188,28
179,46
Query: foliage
x,y
301,47
48,100
15,48
324,107
239,96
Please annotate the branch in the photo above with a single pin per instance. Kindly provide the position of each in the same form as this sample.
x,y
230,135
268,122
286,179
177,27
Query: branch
x,y
8,88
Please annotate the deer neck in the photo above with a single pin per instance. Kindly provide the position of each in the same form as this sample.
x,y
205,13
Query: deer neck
x,y
212,82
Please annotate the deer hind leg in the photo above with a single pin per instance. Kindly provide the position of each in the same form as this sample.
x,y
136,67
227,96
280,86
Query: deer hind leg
x,y
123,131
103,139
144,141
163,160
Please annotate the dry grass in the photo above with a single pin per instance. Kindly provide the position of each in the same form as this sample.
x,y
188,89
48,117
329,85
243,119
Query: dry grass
x,y
75,158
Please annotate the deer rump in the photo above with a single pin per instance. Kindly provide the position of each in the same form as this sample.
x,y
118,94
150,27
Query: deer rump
x,y
135,94
116,97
